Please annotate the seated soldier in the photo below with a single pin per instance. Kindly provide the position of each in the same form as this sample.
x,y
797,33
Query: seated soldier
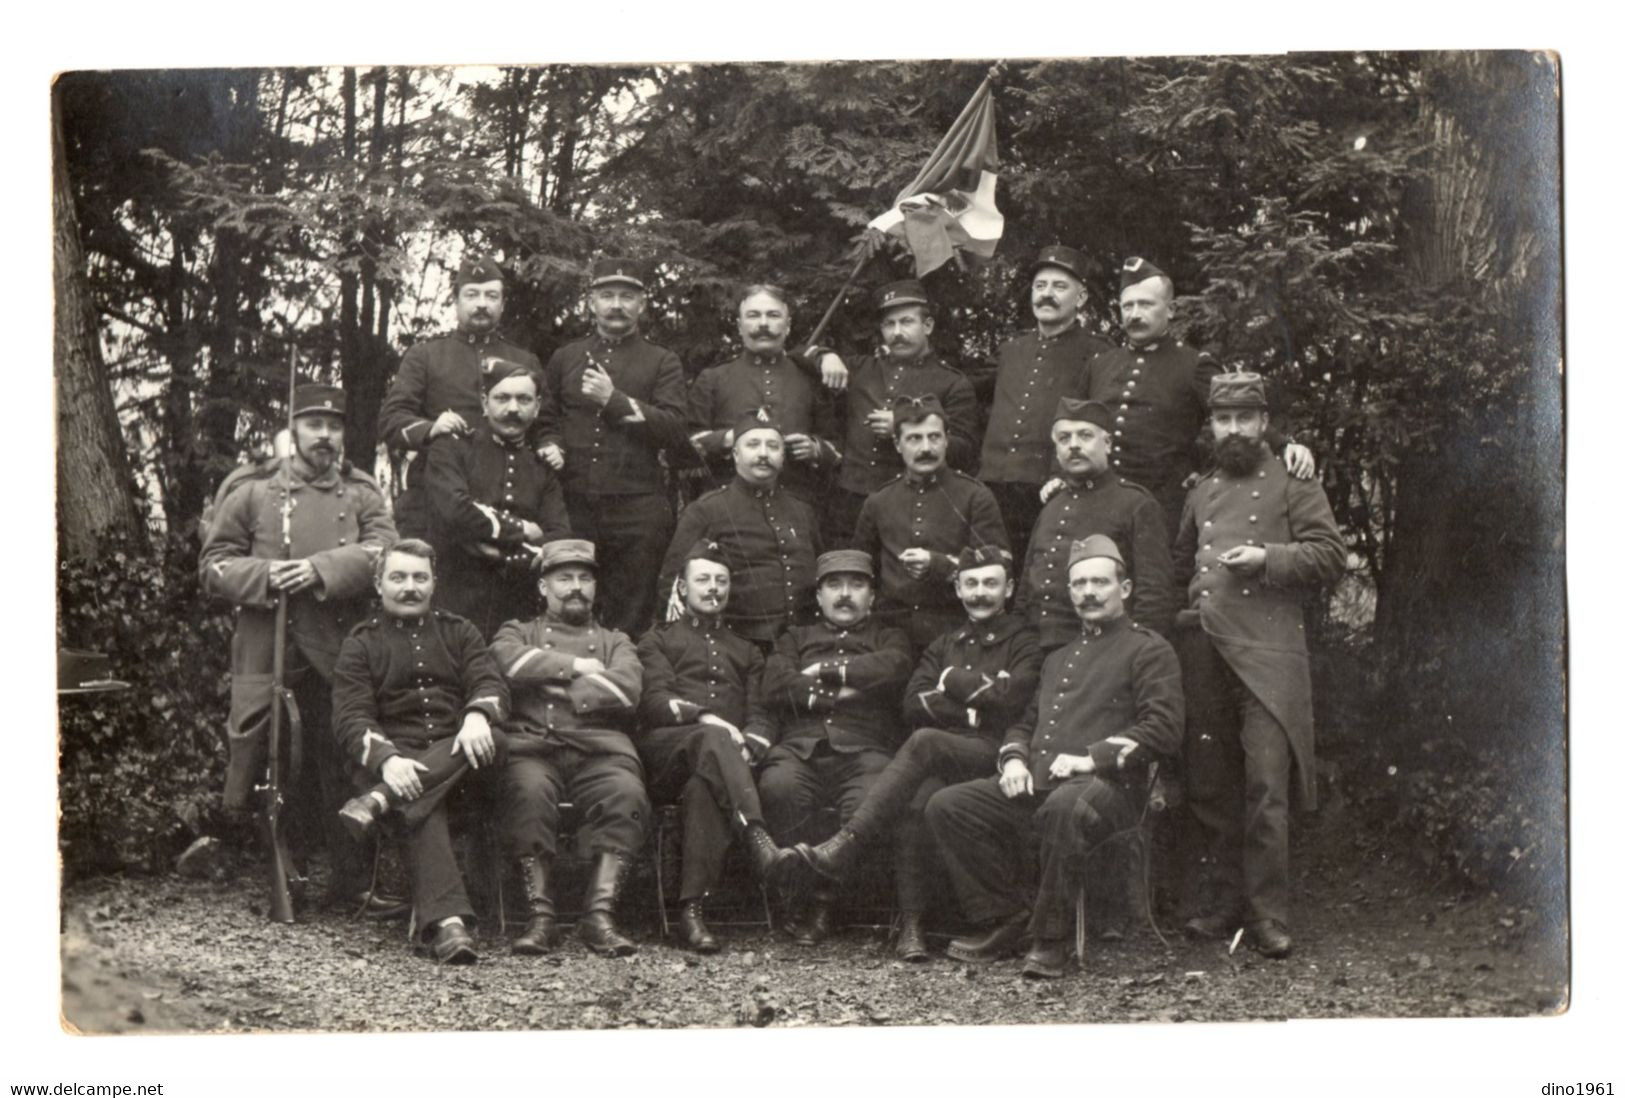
x,y
1073,768
704,721
973,682
835,689
575,692
415,693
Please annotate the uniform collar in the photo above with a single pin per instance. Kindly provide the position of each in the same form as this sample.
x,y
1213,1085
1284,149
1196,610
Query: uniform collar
x,y
322,481
547,621
477,339
1148,348
491,433
1106,628
616,341
764,361
756,491
704,626
930,480
997,627
1071,329
1090,483
839,629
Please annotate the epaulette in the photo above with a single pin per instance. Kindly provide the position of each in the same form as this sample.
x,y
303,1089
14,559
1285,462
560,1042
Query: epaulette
x,y
893,480
1207,475
351,472
372,621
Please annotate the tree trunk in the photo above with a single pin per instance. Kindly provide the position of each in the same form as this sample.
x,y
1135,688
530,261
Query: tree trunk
x,y
95,493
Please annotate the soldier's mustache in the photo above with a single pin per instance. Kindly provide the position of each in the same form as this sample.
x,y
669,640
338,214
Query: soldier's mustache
x,y
1050,301
845,604
410,596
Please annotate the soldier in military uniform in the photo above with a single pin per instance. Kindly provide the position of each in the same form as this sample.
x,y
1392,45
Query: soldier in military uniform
x,y
1157,388
835,688
1073,769
416,695
613,403
490,503
769,536
704,720
917,524
972,683
337,524
1253,543
1094,500
764,375
908,366
575,687
436,391
1035,369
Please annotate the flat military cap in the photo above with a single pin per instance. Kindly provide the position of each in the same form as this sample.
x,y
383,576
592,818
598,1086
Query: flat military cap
x,y
907,292
477,270
845,560
1242,389
1095,545
310,397
608,271
759,419
555,554
980,556
498,370
1059,255
912,409
706,549
1136,270
1088,411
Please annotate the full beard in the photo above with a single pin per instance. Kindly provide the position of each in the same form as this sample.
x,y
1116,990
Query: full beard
x,y
1239,456
575,613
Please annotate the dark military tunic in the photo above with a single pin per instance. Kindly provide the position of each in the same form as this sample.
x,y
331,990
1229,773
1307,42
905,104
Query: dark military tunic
x,y
1126,513
870,659
975,679
479,492
725,392
946,513
1035,371
876,382
770,540
440,375
692,667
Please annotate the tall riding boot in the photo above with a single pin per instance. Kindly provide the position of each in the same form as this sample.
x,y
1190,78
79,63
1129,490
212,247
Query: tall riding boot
x,y
597,927
768,860
542,932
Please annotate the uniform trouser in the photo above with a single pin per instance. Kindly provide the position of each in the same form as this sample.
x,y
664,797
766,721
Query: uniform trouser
x,y
928,760
631,534
425,833
607,788
985,840
319,790
921,625
700,765
794,789
1019,504
1238,770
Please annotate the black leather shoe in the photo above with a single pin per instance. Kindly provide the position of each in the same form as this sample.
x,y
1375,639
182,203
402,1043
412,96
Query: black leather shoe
x,y
1270,938
1213,927
379,906
696,935
597,928
359,815
834,857
541,933
911,938
768,860
813,925
1004,939
1046,960
453,944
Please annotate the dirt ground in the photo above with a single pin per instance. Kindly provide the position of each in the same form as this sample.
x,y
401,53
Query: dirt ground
x,y
1379,938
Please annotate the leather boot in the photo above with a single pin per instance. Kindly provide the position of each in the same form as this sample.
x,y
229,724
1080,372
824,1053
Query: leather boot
x,y
359,815
999,941
834,857
1046,960
911,938
691,922
768,860
541,933
597,927
815,921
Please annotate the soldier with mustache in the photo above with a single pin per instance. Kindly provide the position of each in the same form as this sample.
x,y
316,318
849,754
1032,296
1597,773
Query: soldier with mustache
x,y
612,404
338,525
491,503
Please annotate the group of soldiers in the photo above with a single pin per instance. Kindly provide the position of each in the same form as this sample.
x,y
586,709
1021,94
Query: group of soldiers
x,y
968,671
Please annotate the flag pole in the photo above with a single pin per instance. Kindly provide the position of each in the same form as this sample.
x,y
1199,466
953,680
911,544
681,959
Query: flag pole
x,y
869,246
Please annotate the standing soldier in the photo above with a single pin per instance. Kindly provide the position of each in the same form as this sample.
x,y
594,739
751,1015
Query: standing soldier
x,y
917,525
704,721
907,367
1254,541
337,526
415,696
575,688
612,403
835,688
972,683
765,376
1093,499
1072,770
769,536
490,504
1157,390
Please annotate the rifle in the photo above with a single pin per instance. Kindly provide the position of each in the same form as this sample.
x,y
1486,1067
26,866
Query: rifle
x,y
283,873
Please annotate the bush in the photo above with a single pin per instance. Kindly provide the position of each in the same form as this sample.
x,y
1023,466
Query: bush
x,y
141,770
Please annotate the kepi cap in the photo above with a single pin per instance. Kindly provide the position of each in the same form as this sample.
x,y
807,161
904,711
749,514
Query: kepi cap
x,y
566,551
845,560
1242,389
759,419
498,370
706,549
912,409
310,397
1059,255
611,270
980,556
908,291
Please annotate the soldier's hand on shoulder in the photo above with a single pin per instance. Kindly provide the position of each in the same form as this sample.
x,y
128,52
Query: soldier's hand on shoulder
x,y
448,423
1300,462
553,454
832,371
401,775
